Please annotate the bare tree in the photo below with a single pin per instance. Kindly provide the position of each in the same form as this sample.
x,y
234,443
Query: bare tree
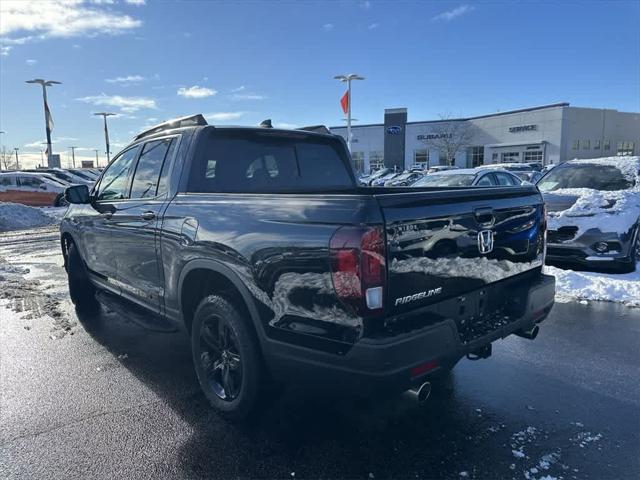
x,y
7,159
449,137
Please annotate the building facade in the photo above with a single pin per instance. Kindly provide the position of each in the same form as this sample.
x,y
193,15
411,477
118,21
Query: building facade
x,y
546,134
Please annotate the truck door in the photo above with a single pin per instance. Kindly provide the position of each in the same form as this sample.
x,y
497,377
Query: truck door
x,y
134,227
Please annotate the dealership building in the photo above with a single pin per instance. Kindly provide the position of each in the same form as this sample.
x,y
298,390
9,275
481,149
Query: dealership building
x,y
546,134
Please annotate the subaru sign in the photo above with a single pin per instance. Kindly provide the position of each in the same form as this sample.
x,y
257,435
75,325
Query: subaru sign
x,y
394,130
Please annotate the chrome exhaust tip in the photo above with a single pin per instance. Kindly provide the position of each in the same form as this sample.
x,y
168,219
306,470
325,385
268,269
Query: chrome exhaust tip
x,y
421,393
529,334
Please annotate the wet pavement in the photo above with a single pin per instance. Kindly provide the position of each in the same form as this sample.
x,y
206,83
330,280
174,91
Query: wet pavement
x,y
102,398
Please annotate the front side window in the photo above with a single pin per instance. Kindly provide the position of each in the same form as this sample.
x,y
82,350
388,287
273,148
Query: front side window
x,y
145,180
446,180
115,181
6,181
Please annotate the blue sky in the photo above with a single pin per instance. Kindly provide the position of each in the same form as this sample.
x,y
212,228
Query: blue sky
x,y
243,62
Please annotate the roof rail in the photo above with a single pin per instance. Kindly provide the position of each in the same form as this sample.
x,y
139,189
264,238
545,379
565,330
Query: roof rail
x,y
316,129
188,121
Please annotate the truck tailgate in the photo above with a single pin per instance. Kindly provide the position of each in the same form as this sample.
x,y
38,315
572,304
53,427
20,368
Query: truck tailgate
x,y
445,243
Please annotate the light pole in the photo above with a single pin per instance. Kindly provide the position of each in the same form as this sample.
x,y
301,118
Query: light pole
x,y
48,119
106,132
347,79
73,156
17,159
96,150
1,148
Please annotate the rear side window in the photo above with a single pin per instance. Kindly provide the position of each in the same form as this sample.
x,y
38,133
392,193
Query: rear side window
x,y
505,179
30,182
241,161
485,181
145,180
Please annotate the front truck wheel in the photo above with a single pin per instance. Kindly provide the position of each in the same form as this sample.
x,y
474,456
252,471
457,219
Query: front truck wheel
x,y
81,290
226,357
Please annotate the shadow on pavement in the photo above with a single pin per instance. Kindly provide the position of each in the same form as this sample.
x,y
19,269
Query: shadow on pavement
x,y
315,434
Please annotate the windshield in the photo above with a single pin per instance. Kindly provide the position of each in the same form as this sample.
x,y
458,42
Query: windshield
x,y
593,176
451,180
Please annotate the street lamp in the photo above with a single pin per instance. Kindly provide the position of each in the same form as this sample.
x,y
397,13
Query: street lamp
x,y
96,150
73,156
347,79
1,148
17,160
106,131
48,120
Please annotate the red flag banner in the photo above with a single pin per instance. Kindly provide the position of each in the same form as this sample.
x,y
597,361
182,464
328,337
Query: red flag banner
x,y
344,102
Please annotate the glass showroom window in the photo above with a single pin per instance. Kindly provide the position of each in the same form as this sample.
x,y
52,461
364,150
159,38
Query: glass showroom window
x,y
420,158
596,144
626,148
533,156
358,161
476,154
576,145
376,160
607,145
510,157
586,144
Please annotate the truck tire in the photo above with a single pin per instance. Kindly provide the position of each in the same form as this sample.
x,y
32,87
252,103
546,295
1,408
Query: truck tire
x,y
81,290
226,357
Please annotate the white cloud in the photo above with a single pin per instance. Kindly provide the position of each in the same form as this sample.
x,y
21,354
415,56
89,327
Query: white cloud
x,y
373,26
125,80
223,116
196,92
26,21
126,104
30,61
136,2
286,126
453,13
239,89
247,96
5,49
366,5
327,27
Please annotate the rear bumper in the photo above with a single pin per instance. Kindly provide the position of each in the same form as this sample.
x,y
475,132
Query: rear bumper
x,y
386,364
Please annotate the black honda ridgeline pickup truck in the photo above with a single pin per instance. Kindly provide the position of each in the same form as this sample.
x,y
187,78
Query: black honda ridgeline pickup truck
x,y
260,243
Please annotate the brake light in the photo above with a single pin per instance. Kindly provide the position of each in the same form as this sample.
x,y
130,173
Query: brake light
x,y
358,268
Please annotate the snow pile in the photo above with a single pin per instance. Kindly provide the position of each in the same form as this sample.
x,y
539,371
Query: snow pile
x,y
597,286
15,216
610,211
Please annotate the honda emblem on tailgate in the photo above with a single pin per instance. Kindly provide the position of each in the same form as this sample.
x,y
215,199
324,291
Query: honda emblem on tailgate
x,y
485,241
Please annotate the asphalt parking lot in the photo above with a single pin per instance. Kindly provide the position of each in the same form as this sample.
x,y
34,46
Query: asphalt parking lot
x,y
103,398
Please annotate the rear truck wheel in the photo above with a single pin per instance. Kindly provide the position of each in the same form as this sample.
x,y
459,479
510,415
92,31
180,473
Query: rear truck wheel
x,y
81,290
226,358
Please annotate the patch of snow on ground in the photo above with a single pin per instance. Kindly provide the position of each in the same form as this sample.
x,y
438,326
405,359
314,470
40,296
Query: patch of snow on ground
x,y
622,288
15,216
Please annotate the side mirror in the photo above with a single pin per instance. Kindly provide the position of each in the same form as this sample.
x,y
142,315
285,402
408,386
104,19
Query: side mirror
x,y
526,182
77,194
43,187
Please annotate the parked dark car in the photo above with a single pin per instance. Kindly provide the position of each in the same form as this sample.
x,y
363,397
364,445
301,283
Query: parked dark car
x,y
594,213
260,244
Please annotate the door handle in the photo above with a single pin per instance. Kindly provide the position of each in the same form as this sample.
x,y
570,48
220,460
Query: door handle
x,y
148,215
106,215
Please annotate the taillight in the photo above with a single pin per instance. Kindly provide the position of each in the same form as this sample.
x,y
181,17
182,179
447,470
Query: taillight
x,y
358,268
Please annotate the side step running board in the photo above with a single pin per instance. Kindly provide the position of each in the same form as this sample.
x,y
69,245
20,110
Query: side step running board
x,y
138,315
